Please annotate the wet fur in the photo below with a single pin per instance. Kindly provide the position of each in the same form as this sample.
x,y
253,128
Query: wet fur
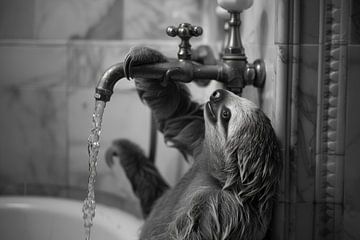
x,y
229,191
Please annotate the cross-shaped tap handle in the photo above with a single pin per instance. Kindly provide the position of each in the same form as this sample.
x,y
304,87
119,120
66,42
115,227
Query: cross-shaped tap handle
x,y
184,31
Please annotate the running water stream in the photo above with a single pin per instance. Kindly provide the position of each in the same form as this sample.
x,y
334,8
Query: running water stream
x,y
93,151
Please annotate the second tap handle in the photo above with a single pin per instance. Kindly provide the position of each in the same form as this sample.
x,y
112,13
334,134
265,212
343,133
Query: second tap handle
x,y
185,31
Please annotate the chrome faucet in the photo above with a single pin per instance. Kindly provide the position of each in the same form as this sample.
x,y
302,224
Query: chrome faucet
x,y
232,69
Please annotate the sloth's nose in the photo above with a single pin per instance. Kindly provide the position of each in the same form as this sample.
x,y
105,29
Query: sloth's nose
x,y
216,96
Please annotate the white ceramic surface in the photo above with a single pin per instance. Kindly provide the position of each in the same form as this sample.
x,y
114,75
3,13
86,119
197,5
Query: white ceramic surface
x,y
44,218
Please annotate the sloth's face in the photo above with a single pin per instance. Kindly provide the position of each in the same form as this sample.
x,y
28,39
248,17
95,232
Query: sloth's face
x,y
242,145
224,113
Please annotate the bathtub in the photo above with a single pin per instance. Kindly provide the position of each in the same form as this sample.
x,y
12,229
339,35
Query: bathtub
x,y
44,218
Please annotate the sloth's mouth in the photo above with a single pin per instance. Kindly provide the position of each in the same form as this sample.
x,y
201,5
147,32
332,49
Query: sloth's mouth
x,y
210,111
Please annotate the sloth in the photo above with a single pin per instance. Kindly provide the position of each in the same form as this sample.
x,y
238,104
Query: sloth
x,y
229,191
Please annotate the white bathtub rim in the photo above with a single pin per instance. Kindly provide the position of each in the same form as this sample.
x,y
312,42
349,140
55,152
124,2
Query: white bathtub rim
x,y
105,217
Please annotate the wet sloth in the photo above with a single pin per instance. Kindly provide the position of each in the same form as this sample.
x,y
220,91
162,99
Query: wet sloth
x,y
229,191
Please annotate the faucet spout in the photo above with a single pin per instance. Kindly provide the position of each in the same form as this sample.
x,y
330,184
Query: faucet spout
x,y
105,86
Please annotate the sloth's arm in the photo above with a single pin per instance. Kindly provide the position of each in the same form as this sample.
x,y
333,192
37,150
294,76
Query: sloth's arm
x,y
178,117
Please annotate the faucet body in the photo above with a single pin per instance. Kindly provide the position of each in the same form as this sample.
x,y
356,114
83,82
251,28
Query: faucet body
x,y
232,69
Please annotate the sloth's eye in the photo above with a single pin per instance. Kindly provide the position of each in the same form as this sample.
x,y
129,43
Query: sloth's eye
x,y
225,114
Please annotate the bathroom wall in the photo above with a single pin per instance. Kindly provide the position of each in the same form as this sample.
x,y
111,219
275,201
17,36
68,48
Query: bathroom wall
x,y
52,54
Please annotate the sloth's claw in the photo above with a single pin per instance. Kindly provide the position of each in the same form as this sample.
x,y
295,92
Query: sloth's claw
x,y
127,66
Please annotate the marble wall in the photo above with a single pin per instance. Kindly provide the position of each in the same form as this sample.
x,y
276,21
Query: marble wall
x,y
258,37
